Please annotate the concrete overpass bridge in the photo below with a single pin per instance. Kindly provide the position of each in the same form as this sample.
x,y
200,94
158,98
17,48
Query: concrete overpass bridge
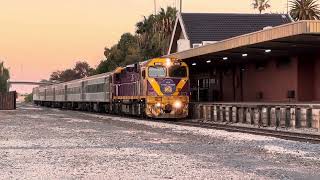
x,y
30,83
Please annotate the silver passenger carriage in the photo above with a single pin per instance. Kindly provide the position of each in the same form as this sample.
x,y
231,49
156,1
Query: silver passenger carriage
x,y
91,93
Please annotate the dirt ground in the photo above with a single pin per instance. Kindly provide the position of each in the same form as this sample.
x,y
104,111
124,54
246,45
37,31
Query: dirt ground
x,y
42,143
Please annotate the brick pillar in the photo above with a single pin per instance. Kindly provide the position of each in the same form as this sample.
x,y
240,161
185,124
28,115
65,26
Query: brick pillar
x,y
265,116
293,117
235,114
298,117
219,113
215,114
198,113
309,118
316,118
273,117
241,116
249,116
205,112
283,117
228,114
209,113
222,114
256,116
303,118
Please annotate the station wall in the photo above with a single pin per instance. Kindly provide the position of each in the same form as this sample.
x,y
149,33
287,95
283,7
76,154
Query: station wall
x,y
294,79
270,81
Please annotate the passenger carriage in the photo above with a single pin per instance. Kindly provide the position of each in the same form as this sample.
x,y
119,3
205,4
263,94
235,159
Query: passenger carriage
x,y
60,95
96,92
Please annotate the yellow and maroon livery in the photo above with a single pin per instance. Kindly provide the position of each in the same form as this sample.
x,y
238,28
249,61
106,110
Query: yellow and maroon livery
x,y
167,86
157,88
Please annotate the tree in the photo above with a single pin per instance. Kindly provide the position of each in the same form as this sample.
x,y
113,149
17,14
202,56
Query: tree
x,y
261,5
151,39
28,98
103,67
106,52
4,77
80,70
125,52
304,10
68,75
55,76
154,32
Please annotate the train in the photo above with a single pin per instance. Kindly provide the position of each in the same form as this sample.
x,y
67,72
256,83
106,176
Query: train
x,y
157,88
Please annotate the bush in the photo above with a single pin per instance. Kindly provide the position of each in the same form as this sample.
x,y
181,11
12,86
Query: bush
x,y
28,98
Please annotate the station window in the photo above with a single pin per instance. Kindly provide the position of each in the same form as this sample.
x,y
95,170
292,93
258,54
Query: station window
x,y
214,81
204,83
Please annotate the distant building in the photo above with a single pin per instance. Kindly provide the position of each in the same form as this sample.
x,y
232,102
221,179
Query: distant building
x,y
193,30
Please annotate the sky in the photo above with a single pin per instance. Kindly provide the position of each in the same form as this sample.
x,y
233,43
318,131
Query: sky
x,y
38,37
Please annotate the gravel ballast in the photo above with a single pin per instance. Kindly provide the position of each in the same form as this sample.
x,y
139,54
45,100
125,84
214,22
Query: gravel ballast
x,y
43,143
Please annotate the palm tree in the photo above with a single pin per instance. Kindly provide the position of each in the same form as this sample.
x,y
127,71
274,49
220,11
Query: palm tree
x,y
261,5
144,29
153,32
304,10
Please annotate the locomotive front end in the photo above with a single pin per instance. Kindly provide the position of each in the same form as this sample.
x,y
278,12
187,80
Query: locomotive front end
x,y
167,88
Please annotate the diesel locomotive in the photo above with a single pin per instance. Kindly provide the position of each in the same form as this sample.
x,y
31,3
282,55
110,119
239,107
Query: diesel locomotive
x,y
157,88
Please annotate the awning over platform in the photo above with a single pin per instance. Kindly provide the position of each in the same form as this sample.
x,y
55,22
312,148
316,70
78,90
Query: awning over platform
x,y
292,38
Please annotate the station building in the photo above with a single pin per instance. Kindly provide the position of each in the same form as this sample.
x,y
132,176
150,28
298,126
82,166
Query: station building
x,y
249,57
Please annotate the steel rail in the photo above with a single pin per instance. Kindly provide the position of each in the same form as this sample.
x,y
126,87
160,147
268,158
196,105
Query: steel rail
x,y
295,136
287,135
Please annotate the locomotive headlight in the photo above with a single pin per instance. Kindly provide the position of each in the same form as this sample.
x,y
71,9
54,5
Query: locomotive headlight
x,y
158,105
177,104
168,62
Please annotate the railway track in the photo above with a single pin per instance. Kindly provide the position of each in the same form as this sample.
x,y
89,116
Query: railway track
x,y
295,136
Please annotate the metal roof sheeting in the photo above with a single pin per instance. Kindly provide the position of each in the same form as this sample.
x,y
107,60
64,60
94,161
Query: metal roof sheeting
x,y
219,26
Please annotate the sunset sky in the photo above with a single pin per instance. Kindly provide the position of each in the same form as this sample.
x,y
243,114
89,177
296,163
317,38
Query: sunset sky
x,y
41,36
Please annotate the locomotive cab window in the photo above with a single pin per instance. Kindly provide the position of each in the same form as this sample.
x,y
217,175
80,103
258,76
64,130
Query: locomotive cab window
x,y
178,71
157,71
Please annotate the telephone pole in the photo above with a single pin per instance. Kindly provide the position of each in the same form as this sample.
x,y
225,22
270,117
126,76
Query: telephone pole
x,y
180,6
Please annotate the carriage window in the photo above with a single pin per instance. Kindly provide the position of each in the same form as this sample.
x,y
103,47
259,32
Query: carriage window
x,y
178,71
74,90
157,71
95,88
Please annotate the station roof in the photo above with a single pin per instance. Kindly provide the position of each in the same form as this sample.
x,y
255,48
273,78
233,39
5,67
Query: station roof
x,y
219,26
291,38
